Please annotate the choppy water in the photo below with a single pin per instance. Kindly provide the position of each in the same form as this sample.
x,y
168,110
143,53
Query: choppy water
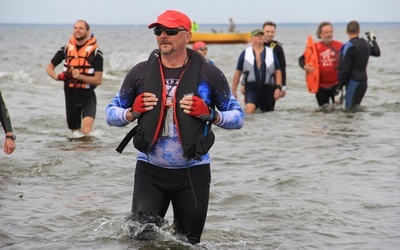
x,y
290,179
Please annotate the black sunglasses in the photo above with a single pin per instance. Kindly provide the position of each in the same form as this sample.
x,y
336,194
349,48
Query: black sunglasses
x,y
169,31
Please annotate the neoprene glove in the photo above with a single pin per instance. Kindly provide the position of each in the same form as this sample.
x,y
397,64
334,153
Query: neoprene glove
x,y
138,106
200,109
63,76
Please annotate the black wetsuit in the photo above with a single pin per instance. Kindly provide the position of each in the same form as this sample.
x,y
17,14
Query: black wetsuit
x,y
354,57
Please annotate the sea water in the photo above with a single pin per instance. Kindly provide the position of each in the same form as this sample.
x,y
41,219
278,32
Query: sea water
x,y
295,178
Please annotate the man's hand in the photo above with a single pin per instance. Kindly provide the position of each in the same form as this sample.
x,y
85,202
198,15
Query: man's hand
x,y
338,89
143,103
370,35
195,106
309,68
63,76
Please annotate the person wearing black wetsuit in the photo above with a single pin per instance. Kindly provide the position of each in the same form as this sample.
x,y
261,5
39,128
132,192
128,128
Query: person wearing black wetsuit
x,y
175,97
354,57
9,141
269,34
82,73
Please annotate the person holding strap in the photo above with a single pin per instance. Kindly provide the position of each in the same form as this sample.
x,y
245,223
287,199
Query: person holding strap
x,y
262,77
354,57
175,97
82,73
269,29
328,62
5,120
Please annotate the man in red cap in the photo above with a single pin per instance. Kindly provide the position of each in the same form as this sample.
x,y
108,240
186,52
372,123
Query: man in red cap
x,y
201,47
175,97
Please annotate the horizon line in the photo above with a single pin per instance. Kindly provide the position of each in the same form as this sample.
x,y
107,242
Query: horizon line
x,y
206,24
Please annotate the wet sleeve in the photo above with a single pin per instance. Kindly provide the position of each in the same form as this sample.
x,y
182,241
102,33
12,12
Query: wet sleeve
x,y
4,116
98,61
282,62
117,108
58,57
276,62
302,61
228,108
239,65
375,50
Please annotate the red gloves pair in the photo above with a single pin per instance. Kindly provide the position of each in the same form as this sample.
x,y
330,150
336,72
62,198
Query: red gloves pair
x,y
198,108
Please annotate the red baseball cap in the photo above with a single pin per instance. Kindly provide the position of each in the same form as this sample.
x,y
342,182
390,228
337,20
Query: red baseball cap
x,y
198,45
173,19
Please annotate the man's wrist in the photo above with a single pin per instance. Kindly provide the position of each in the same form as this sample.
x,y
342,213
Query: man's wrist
x,y
12,137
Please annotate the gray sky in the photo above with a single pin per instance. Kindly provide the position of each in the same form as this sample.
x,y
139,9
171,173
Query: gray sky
x,y
201,11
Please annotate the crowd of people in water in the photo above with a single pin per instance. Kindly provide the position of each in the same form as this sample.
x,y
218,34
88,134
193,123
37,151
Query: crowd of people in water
x,y
261,68
178,94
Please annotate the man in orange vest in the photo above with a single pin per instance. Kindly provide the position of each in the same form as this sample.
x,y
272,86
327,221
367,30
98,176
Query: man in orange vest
x,y
82,73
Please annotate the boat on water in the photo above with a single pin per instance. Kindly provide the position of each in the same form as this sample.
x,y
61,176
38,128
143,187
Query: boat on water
x,y
220,38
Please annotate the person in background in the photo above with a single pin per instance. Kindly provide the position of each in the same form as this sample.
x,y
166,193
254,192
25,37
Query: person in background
x,y
328,58
232,26
354,57
201,47
82,73
269,29
5,120
175,97
262,77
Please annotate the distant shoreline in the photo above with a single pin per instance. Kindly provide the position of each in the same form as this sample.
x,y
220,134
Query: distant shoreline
x,y
205,24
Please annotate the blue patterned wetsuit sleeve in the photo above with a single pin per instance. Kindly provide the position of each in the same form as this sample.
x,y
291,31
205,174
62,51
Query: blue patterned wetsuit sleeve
x,y
219,95
123,100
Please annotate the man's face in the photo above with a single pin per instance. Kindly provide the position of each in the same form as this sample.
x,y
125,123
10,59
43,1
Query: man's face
x,y
257,39
269,33
80,32
326,34
170,43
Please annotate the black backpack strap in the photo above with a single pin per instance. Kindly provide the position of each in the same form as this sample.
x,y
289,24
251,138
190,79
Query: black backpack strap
x,y
126,140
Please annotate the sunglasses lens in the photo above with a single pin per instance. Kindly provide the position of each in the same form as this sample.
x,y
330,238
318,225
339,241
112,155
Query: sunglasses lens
x,y
203,49
158,31
171,32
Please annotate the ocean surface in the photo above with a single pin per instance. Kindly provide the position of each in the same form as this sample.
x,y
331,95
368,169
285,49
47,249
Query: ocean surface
x,y
295,178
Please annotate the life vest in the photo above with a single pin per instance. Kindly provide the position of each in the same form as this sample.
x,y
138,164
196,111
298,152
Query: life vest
x,y
81,59
249,64
195,135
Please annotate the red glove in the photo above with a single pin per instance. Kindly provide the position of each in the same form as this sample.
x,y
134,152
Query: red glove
x,y
199,109
138,106
63,76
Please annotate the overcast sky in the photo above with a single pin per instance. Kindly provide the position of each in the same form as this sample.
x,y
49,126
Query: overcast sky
x,y
201,11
